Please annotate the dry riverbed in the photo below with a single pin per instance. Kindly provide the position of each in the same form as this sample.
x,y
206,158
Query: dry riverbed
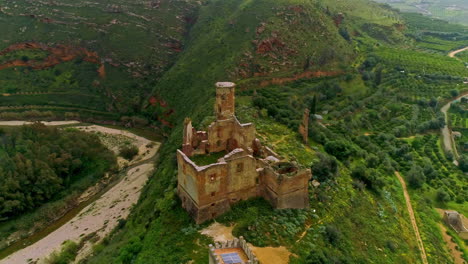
x,y
99,218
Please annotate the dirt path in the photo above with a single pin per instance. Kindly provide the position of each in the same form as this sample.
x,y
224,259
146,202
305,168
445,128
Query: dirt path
x,y
101,216
453,53
449,142
412,218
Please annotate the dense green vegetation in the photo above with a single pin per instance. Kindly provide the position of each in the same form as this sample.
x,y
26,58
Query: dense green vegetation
x,y
40,164
367,115
378,78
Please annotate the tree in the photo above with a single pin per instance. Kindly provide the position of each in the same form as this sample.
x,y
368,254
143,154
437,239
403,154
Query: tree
x,y
442,196
333,234
416,177
325,169
463,163
313,105
339,148
454,93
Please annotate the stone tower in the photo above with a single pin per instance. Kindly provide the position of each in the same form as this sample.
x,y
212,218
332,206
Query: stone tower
x,y
225,100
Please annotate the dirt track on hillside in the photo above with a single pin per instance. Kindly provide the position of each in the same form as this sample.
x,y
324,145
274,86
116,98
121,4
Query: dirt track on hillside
x,y
412,218
453,53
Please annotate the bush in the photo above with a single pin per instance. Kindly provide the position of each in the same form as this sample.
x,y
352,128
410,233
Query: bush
x,y
339,148
325,169
442,196
66,255
128,152
463,163
367,177
332,234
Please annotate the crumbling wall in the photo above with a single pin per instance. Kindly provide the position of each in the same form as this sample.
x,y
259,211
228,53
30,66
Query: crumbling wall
x,y
284,191
241,175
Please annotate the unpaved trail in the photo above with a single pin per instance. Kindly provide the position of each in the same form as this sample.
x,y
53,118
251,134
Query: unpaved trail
x,y
412,218
453,53
101,216
449,142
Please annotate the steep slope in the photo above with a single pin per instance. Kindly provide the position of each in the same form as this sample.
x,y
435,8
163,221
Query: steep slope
x,y
131,44
248,42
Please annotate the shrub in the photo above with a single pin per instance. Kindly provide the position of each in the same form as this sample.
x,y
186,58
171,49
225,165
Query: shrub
x,y
332,234
128,152
66,255
339,148
442,196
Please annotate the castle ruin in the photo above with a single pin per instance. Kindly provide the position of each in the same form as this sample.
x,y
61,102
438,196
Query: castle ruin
x,y
244,169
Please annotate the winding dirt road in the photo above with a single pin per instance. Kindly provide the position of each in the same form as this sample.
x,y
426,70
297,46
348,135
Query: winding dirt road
x,y
449,142
412,218
453,53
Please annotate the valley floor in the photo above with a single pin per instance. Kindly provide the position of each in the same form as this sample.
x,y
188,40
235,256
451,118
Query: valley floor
x,y
100,217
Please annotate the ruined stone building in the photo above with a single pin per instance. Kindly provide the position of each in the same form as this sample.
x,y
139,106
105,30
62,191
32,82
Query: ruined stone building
x,y
244,169
458,222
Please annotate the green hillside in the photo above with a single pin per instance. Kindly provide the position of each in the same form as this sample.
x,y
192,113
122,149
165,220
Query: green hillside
x,y
358,214
133,42
378,78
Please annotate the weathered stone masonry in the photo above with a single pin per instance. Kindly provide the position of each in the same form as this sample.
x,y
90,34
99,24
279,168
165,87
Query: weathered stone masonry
x,y
248,170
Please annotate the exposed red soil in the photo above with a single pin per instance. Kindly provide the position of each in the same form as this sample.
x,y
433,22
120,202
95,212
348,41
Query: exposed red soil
x,y
159,102
102,71
155,101
297,9
303,75
57,54
268,45
338,19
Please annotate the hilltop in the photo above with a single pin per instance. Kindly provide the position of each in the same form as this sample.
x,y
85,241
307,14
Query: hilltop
x,y
375,78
